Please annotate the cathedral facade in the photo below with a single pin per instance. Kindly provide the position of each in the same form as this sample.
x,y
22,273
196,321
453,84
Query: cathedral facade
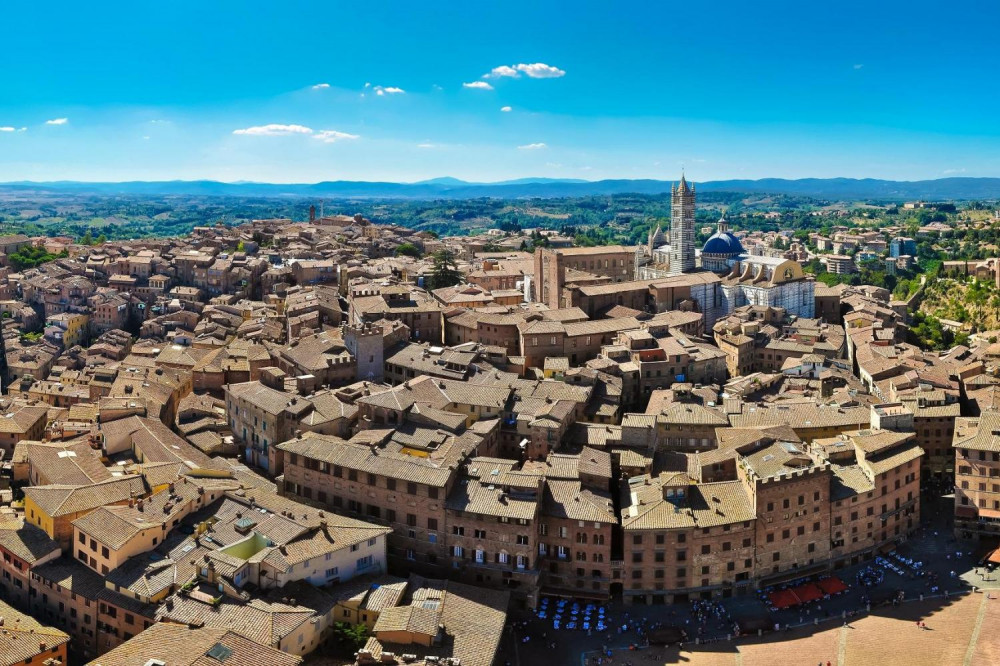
x,y
744,279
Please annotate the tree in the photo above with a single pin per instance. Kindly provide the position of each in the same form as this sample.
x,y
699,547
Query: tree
x,y
408,250
353,636
101,240
87,239
445,272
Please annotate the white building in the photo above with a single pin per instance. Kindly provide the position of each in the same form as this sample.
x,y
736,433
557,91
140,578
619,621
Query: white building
x,y
769,281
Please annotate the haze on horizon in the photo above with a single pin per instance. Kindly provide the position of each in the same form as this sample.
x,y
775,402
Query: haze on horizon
x,y
314,91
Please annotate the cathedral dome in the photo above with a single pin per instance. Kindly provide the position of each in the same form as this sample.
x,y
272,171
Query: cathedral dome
x,y
723,242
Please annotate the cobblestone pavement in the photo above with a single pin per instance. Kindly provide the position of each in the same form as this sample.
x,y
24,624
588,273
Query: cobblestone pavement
x,y
957,634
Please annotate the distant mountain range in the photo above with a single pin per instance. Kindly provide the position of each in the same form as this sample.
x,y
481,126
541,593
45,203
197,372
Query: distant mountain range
x,y
840,189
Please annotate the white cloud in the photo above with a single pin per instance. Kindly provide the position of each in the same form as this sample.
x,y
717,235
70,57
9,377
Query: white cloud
x,y
274,129
537,70
22,129
57,121
953,171
6,129
426,145
388,90
532,146
320,86
506,109
478,85
540,70
858,66
333,136
502,71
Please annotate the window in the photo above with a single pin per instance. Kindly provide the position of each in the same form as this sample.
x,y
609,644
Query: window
x,y
365,562
522,540
432,524
411,488
458,530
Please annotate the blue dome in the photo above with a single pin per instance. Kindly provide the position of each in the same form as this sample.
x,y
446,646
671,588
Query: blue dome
x,y
723,242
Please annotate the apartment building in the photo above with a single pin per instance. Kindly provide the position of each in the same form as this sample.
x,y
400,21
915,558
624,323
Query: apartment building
x,y
977,475
400,478
766,509
615,262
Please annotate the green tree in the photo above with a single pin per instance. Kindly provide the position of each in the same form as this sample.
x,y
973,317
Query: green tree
x,y
353,637
408,250
444,272
87,239
101,240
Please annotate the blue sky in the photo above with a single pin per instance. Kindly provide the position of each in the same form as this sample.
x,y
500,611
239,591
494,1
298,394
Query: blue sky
x,y
310,91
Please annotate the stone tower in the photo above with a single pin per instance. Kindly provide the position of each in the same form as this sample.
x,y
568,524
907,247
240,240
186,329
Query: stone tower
x,y
681,228
364,341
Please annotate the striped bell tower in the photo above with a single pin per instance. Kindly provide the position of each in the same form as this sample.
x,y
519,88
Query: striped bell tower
x,y
681,228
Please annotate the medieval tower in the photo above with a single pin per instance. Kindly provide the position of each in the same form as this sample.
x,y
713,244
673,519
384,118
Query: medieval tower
x,y
681,228
364,341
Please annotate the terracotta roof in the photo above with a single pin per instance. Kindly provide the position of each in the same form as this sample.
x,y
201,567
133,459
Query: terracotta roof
x,y
23,637
60,500
178,645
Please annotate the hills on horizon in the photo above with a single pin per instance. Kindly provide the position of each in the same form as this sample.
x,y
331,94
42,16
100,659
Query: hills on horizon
x,y
841,189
